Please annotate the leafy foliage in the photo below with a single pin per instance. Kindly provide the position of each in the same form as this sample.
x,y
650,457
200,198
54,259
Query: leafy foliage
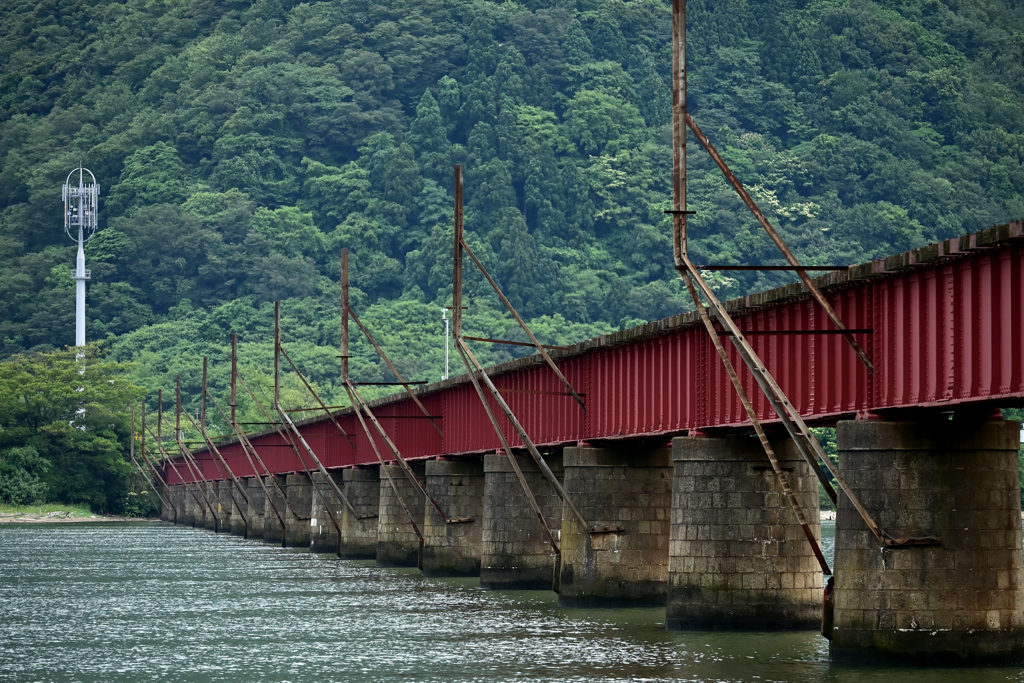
x,y
241,145
64,428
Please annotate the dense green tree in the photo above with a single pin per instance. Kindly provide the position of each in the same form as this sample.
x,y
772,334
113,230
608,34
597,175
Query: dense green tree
x,y
428,137
240,147
72,414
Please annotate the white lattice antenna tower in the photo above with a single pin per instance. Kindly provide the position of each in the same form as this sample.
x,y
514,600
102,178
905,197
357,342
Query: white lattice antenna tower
x,y
81,208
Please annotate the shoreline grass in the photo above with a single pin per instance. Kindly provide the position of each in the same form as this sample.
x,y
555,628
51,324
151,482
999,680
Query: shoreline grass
x,y
73,511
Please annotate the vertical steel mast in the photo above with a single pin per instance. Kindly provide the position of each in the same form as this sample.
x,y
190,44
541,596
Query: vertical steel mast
x,y
81,206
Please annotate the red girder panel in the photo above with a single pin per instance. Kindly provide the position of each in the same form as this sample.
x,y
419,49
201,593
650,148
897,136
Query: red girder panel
x,y
946,325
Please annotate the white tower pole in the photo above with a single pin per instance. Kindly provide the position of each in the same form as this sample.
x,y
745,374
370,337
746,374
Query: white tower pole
x,y
80,268
447,342
80,211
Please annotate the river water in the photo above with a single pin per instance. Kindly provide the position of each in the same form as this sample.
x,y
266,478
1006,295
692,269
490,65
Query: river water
x,y
148,601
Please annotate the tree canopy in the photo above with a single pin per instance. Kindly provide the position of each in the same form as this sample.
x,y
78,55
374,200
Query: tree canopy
x,y
240,145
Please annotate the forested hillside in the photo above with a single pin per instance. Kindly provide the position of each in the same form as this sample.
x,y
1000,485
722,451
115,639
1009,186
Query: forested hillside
x,y
240,145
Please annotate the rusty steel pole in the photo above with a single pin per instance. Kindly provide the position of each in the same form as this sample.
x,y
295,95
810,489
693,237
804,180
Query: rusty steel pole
x,y
344,315
277,353
457,257
202,400
679,110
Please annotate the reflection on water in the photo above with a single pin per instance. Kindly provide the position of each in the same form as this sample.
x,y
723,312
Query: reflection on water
x,y
146,601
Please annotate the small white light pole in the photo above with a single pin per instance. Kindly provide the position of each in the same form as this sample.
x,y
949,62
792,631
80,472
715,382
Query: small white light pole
x,y
447,337
81,206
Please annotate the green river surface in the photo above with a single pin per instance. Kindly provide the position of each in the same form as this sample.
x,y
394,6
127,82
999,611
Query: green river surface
x,y
147,601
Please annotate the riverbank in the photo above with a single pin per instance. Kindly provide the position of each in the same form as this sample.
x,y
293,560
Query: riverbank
x,y
55,513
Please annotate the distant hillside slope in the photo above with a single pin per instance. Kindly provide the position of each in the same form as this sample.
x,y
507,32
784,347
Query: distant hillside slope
x,y
240,145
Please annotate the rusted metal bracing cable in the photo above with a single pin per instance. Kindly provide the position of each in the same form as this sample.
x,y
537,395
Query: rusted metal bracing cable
x,y
284,438
474,366
349,389
145,458
758,429
522,323
246,447
383,465
409,474
195,476
183,445
288,419
131,454
534,505
359,404
201,426
168,458
189,455
205,502
806,442
323,406
346,310
759,215
190,459
323,472
290,425
213,448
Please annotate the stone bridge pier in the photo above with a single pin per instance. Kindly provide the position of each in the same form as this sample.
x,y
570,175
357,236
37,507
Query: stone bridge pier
x,y
515,552
739,560
300,493
451,546
397,542
625,494
257,500
273,532
324,533
359,531
196,512
959,600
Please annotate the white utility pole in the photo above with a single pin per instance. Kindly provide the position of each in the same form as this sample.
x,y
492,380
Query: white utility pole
x,y
447,337
81,206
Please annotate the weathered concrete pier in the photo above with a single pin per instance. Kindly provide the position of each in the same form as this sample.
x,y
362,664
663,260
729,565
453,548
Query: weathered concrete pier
x,y
958,598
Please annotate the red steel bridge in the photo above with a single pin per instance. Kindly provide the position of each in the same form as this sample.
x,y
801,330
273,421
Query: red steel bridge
x,y
943,326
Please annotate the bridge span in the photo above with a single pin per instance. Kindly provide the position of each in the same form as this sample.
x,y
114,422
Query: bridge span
x,y
679,504
945,327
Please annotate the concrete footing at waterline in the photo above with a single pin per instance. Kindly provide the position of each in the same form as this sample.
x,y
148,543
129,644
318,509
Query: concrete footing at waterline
x,y
958,599
300,494
325,515
705,529
257,502
515,551
273,529
625,495
359,529
738,558
398,543
451,546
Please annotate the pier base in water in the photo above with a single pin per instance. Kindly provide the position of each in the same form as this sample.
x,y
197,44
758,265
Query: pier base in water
x,y
458,488
258,502
323,533
515,552
958,601
359,532
397,542
739,559
628,489
273,532
300,493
